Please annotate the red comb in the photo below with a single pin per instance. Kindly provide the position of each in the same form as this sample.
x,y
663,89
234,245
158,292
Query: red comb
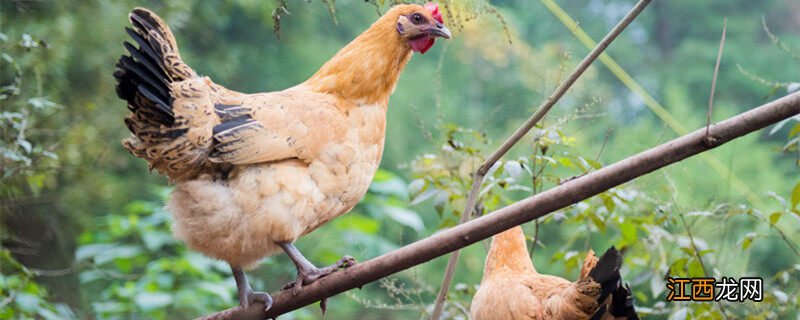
x,y
434,9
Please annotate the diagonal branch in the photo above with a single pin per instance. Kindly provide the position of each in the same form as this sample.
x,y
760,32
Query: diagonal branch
x,y
477,179
523,211
652,103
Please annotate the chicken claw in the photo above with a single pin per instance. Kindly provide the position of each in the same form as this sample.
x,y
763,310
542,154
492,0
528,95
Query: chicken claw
x,y
246,295
306,275
249,297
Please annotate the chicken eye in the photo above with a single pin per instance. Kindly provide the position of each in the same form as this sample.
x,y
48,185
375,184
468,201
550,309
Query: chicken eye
x,y
416,18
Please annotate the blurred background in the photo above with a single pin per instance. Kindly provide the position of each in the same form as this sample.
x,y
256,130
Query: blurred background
x,y
84,233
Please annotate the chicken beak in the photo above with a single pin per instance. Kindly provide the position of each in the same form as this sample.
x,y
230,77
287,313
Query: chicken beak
x,y
440,31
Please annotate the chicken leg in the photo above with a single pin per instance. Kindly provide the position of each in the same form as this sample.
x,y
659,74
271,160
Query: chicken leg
x,y
245,293
307,273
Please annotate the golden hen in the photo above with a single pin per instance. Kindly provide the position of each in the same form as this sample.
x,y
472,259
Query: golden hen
x,y
511,287
255,172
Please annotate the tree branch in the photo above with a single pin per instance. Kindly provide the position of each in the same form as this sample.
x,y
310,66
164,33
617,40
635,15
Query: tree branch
x,y
523,211
477,179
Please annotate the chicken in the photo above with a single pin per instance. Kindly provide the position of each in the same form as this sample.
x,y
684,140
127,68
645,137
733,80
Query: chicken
x,y
255,172
512,289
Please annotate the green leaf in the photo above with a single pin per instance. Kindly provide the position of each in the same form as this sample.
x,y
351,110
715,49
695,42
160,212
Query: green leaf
x,y
108,307
154,240
628,230
405,217
657,286
217,289
699,214
678,267
599,223
25,145
791,143
514,169
796,196
781,296
91,250
28,302
358,222
748,240
778,126
566,162
608,202
440,202
152,300
391,187
696,269
795,130
427,194
103,253
774,217
416,186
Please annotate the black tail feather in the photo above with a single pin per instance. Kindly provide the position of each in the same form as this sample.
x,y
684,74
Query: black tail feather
x,y
147,62
146,49
606,273
600,312
142,79
144,76
622,303
139,22
158,101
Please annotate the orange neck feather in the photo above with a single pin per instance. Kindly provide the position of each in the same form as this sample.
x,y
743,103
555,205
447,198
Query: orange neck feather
x,y
508,253
367,69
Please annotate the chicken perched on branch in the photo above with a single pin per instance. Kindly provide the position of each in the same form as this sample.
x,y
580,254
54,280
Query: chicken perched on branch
x,y
512,289
255,172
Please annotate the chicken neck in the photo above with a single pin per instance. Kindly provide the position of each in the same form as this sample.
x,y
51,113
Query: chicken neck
x,y
508,253
367,69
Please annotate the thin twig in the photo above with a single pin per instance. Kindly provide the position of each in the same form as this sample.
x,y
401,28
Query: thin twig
x,y
58,272
521,132
777,41
520,212
714,80
596,158
535,236
791,244
8,299
699,257
536,176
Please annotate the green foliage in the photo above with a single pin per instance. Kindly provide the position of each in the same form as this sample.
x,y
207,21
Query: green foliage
x,y
21,106
135,268
22,298
446,177
793,123
659,238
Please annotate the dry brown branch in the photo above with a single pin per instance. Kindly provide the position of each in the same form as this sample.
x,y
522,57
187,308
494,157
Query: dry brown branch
x,y
523,211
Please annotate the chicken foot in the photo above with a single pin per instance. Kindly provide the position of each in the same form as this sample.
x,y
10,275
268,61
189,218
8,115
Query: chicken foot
x,y
307,273
246,295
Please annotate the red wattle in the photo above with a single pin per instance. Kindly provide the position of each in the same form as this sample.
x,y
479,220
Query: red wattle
x,y
421,44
